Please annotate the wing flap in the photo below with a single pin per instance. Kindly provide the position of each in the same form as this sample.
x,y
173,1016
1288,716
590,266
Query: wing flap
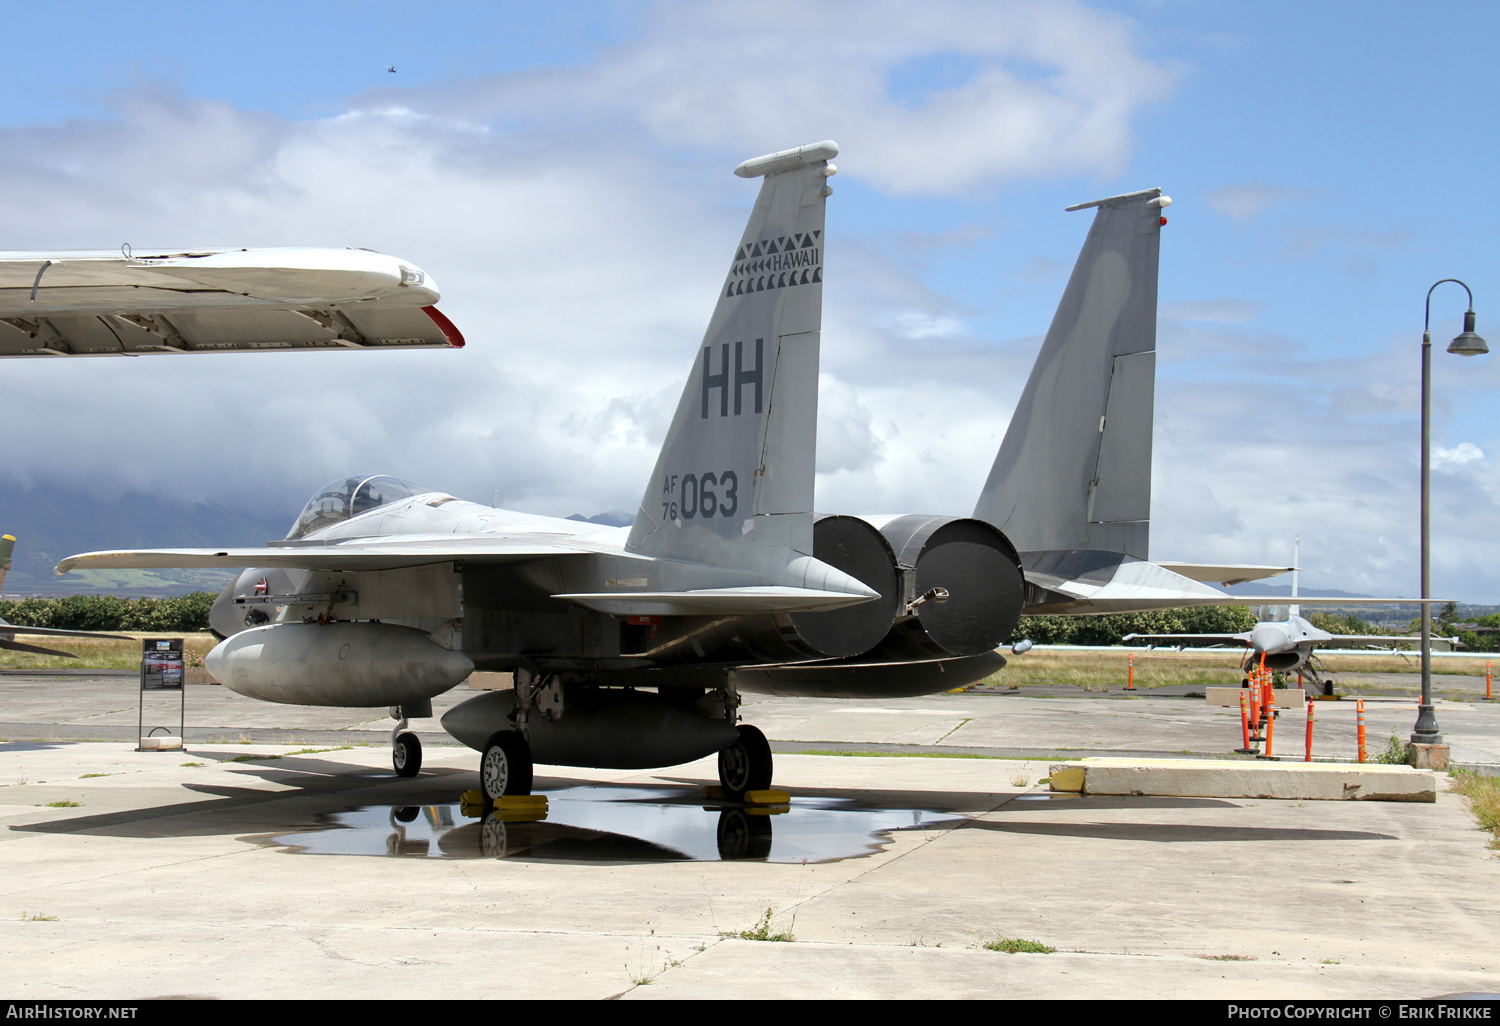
x,y
715,601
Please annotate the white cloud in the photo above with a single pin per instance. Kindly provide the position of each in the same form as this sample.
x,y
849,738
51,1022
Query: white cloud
x,y
1463,452
1245,201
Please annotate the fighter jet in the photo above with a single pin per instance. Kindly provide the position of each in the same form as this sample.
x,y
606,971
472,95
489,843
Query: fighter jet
x,y
630,646
8,631
1287,642
173,302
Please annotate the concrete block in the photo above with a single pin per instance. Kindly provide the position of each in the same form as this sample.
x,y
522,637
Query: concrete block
x,y
161,743
1222,778
1432,757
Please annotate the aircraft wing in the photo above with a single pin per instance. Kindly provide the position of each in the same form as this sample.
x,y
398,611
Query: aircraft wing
x,y
1367,640
1226,639
215,300
360,554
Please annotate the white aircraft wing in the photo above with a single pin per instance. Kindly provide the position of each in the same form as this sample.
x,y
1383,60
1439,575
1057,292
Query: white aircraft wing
x,y
360,554
1226,639
1386,641
215,300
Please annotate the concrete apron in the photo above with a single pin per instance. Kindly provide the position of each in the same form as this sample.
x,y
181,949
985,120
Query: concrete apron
x,y
1216,778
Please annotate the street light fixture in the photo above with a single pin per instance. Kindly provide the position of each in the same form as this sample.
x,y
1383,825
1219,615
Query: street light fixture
x,y
1425,732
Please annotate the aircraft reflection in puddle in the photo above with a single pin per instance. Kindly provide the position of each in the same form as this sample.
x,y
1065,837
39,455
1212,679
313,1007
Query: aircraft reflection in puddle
x,y
610,824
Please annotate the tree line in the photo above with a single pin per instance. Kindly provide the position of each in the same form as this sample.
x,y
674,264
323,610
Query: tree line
x,y
110,612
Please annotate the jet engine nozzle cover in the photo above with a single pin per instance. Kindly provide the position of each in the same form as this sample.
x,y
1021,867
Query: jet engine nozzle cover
x,y
346,664
857,548
978,567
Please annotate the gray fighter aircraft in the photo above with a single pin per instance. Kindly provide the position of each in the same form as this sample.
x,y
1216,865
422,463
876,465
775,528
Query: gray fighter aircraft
x,y
1288,643
630,646
8,631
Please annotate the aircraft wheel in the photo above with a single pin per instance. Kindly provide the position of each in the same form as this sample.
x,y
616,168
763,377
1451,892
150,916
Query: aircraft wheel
x,y
505,765
406,755
743,837
746,764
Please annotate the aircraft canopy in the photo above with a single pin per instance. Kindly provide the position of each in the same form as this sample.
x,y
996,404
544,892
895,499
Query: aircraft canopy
x,y
349,497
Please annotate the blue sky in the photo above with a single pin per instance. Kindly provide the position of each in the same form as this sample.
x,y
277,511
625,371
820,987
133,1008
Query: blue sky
x,y
562,171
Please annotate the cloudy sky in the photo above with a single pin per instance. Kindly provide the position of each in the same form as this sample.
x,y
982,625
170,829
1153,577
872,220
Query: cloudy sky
x,y
562,171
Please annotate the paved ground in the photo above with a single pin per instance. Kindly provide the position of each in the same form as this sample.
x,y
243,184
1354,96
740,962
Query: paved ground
x,y
222,872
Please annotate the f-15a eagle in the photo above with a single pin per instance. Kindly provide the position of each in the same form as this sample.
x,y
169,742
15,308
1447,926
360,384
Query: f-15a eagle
x,y
630,646
171,302
8,631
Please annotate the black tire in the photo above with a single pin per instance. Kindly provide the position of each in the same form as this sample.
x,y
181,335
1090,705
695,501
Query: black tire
x,y
745,765
406,755
505,765
744,837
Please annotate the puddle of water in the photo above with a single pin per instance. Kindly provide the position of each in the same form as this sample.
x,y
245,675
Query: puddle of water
x,y
613,824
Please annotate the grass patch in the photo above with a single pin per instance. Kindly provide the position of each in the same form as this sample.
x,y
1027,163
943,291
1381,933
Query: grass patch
x,y
1227,958
762,931
123,653
90,776
1483,794
319,751
64,805
1017,945
37,917
253,758
192,764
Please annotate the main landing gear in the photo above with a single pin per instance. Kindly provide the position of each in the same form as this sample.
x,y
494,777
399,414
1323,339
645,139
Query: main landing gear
x,y
505,765
746,764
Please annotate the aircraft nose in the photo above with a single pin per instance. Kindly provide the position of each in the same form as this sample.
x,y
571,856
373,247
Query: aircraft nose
x,y
1269,640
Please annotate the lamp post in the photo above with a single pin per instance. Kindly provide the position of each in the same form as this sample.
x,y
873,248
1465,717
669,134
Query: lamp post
x,y
1425,732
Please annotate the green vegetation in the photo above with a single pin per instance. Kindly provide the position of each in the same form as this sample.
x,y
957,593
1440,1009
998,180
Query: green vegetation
x,y
761,931
1016,945
1396,751
111,613
99,654
89,776
1108,630
1483,794
37,917
64,805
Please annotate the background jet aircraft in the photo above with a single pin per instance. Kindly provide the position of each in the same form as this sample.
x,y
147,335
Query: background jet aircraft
x,y
9,631
630,646
1287,641
216,300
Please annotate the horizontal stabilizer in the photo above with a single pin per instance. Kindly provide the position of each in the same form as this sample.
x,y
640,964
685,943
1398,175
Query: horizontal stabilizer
x,y
1225,573
717,601
10,630
239,300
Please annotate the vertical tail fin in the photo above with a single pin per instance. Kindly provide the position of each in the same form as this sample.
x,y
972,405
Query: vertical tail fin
x,y
1074,470
733,485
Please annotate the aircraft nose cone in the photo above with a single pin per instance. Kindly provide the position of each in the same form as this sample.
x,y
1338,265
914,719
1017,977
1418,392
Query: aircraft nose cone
x,y
1270,639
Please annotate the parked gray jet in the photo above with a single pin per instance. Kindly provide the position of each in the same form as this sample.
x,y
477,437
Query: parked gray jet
x,y
8,631
1288,642
630,647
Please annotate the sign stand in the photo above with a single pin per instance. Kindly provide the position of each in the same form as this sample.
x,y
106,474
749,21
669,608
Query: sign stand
x,y
162,670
